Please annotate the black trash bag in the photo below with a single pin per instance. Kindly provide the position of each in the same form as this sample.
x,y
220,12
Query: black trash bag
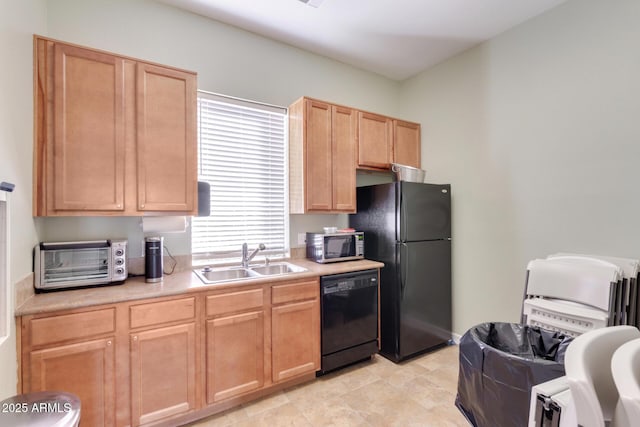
x,y
499,363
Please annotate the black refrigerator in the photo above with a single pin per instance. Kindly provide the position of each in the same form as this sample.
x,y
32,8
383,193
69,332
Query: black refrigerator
x,y
407,226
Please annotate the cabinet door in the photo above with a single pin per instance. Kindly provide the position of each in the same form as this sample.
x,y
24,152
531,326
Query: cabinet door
x,y
163,373
85,369
88,150
343,130
295,339
374,145
166,139
318,156
406,143
235,355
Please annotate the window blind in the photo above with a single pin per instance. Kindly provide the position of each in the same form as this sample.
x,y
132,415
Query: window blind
x,y
242,147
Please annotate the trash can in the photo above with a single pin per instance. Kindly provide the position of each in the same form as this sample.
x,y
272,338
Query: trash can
x,y
499,363
41,409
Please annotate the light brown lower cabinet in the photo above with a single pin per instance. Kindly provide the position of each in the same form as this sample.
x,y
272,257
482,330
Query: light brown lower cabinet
x,y
86,369
293,352
163,373
175,359
295,317
235,355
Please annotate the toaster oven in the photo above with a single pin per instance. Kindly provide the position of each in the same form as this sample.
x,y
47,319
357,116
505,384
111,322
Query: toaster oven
x,y
59,265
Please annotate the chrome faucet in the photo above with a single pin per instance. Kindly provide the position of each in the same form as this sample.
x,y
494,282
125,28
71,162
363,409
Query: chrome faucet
x,y
245,250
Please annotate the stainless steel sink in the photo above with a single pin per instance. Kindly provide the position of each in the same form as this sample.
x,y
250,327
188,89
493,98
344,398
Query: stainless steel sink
x,y
229,274
214,275
279,268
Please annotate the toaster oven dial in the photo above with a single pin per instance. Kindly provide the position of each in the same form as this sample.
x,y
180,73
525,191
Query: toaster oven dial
x,y
119,261
119,252
119,270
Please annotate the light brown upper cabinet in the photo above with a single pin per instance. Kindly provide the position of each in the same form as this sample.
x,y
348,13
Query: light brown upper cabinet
x,y
88,123
322,150
406,143
167,157
375,141
113,135
383,140
343,151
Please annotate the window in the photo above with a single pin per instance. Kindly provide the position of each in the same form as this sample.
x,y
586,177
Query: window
x,y
242,154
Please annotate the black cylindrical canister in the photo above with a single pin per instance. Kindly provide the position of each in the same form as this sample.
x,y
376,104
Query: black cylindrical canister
x,y
153,259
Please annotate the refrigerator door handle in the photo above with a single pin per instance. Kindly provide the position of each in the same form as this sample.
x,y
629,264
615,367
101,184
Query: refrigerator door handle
x,y
404,266
403,223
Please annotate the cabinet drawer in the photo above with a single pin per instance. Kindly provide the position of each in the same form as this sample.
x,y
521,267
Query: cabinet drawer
x,y
75,326
295,292
155,313
234,301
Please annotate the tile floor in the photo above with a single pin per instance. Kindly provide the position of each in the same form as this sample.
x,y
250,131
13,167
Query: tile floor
x,y
419,392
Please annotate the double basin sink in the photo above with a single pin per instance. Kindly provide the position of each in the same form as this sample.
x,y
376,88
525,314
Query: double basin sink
x,y
229,274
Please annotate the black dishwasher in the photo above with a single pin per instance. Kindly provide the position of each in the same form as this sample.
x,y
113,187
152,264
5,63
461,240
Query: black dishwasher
x,y
349,311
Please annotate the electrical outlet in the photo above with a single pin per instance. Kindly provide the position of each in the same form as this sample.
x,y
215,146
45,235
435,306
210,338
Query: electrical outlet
x,y
302,239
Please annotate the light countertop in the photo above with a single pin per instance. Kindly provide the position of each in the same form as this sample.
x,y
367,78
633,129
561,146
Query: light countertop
x,y
183,282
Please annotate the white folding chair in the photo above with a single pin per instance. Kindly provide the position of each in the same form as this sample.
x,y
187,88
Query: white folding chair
x,y
625,367
587,365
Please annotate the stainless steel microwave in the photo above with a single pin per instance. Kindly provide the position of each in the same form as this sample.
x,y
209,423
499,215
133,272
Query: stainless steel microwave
x,y
334,247
60,265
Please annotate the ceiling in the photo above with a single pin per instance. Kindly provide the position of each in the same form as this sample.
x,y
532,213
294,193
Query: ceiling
x,y
394,38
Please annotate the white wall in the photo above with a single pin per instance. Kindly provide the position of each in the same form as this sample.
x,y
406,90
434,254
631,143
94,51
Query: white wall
x,y
228,61
538,133
18,21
